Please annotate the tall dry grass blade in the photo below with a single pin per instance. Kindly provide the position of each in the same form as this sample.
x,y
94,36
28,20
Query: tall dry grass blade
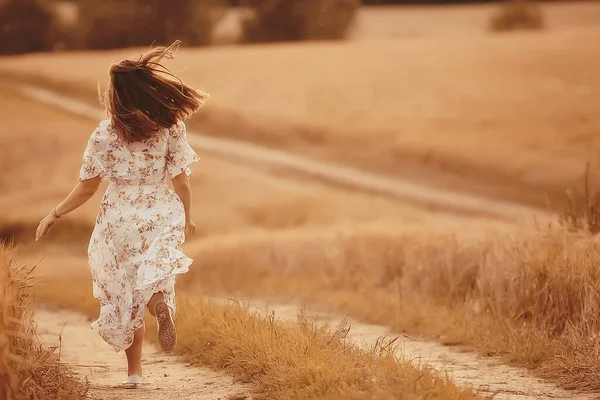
x,y
27,371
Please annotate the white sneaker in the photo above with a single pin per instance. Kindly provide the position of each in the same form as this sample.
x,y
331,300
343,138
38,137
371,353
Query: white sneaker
x,y
132,382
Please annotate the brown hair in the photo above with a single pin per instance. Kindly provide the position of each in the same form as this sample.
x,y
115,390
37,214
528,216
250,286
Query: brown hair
x,y
143,96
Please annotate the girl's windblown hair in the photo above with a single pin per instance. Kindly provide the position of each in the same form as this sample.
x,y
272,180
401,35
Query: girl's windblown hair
x,y
143,96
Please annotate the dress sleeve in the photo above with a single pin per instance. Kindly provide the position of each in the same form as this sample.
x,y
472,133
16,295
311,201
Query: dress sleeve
x,y
94,156
180,154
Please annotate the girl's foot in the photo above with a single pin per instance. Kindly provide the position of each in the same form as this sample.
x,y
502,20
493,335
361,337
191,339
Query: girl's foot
x,y
167,336
132,382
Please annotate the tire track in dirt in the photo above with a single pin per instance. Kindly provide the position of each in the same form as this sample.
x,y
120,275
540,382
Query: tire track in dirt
x,y
487,375
332,173
165,377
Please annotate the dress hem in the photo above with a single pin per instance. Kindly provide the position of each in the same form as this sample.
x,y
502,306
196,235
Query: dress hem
x,y
156,274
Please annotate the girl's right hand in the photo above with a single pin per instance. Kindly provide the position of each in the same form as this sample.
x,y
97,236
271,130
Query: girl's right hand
x,y
190,228
46,224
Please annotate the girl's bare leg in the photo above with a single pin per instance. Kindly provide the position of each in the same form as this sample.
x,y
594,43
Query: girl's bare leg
x,y
134,353
156,298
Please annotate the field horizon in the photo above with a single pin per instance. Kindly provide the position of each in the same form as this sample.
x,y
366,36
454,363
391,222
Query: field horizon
x,y
440,109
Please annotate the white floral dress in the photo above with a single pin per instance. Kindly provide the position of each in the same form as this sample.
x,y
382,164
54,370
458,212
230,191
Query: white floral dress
x,y
135,249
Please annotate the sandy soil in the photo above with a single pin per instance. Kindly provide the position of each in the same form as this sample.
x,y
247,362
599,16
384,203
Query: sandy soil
x,y
165,376
487,375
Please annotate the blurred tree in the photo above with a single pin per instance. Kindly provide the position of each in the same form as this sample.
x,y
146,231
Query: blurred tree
x,y
122,23
288,20
425,1
113,23
192,21
516,15
25,26
236,3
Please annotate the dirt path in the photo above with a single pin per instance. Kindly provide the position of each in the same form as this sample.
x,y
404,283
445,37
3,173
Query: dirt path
x,y
487,375
341,175
165,376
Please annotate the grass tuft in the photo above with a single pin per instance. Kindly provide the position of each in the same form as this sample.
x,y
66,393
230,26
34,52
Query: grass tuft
x,y
302,359
582,211
27,371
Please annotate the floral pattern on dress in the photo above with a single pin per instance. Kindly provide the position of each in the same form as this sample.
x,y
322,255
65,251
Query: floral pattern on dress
x,y
135,248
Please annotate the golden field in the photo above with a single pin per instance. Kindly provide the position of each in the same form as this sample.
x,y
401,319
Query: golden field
x,y
511,116
231,198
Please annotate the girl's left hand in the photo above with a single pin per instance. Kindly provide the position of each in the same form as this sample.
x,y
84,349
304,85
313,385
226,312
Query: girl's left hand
x,y
45,226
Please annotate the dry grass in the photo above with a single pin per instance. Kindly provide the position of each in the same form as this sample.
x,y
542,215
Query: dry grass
x,y
303,360
530,297
281,360
582,212
27,371
453,111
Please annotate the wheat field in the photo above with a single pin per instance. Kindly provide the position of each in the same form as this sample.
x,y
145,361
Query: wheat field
x,y
507,115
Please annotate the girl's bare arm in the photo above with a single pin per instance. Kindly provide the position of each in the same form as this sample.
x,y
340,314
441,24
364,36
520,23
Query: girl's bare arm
x,y
80,194
181,185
